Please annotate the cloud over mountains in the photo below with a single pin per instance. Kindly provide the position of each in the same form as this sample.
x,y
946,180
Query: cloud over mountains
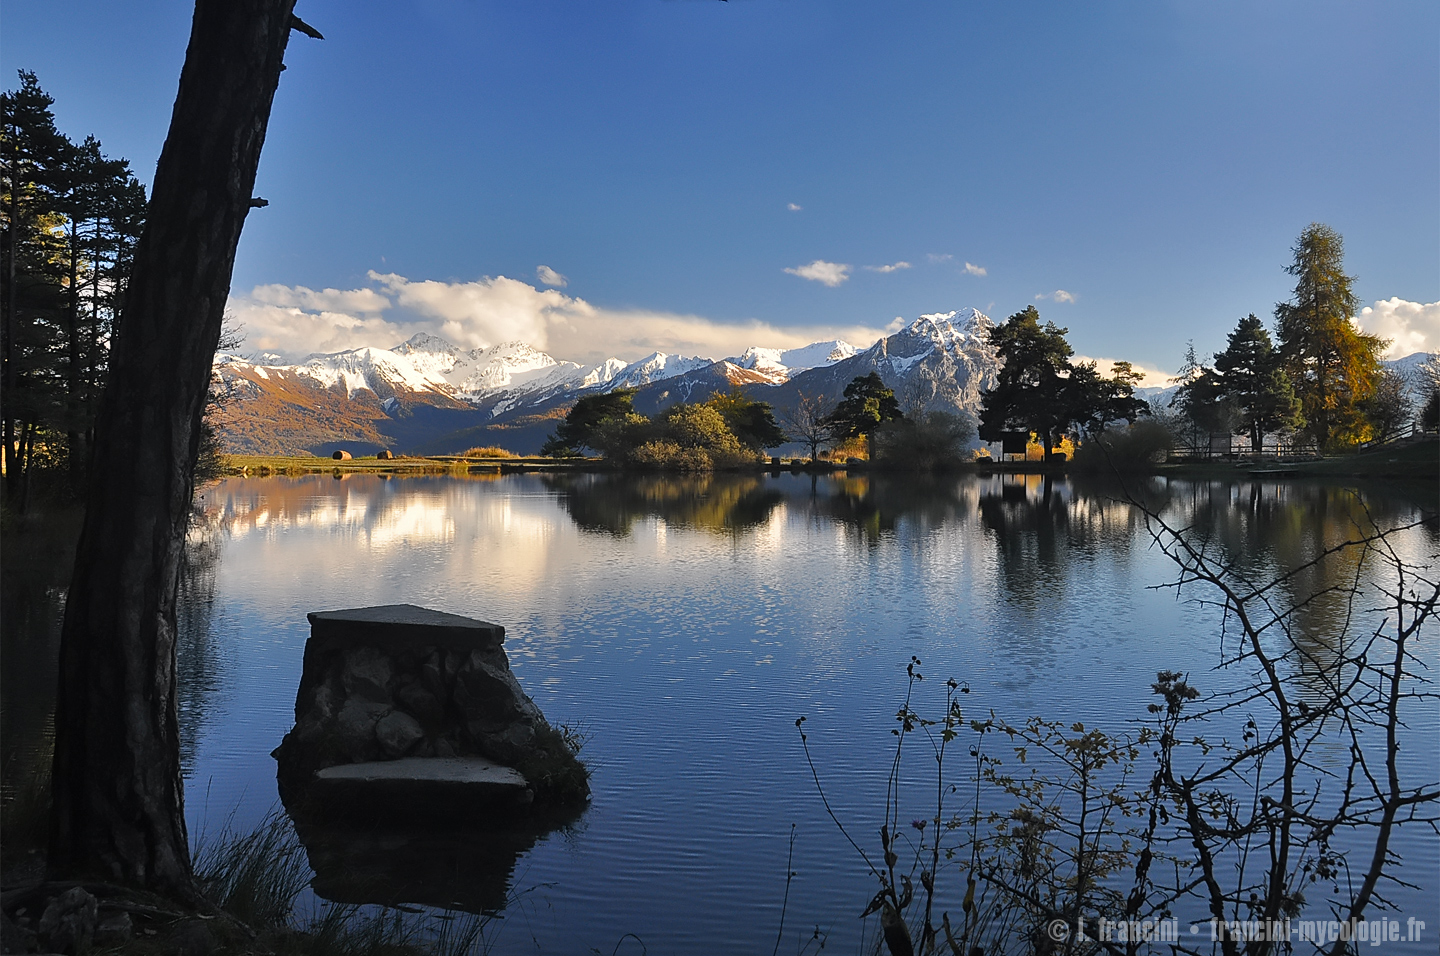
x,y
295,321
1410,326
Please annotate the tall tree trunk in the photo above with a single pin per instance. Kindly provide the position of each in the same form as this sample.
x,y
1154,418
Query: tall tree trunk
x,y
117,794
72,362
8,352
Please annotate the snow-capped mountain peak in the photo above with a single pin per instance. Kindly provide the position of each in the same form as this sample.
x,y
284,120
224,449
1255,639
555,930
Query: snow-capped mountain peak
x,y
425,342
503,365
778,365
655,366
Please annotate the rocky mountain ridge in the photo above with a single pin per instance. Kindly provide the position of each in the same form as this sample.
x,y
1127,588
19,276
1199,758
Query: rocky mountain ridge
x,y
429,396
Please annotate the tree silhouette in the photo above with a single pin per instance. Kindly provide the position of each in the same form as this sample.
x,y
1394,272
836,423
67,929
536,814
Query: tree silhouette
x,y
118,799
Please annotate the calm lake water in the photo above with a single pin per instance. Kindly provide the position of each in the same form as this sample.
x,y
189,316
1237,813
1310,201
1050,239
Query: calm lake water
x,y
686,624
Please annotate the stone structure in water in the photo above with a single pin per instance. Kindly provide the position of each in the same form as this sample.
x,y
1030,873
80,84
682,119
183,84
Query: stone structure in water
x,y
405,711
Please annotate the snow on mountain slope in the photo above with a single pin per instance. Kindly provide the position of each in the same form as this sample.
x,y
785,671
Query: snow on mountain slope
x,y
510,373
941,361
654,367
777,365
379,370
477,371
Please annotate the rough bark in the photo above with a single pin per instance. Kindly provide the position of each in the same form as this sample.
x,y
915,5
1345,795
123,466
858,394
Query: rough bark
x,y
118,810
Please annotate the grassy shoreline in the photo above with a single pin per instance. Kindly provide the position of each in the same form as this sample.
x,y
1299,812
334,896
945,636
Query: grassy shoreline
x,y
1415,460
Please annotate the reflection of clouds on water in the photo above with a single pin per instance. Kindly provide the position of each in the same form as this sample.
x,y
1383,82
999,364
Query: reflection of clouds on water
x,y
352,515
689,621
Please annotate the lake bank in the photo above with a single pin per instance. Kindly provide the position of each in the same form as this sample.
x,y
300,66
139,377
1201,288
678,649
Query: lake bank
x,y
1409,460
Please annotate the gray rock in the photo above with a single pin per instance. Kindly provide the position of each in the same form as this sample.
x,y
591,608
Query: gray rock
x,y
397,732
432,674
367,675
486,690
14,938
68,923
452,661
114,930
327,702
354,730
419,700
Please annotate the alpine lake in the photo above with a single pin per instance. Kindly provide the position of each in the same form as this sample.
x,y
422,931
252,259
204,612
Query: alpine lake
x,y
683,625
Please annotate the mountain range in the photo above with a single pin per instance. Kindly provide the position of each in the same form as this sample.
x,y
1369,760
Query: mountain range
x,y
429,396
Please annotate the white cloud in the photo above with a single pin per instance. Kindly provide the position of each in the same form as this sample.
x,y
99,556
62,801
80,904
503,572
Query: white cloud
x,y
892,267
293,322
828,273
895,325
1153,376
294,332
549,276
1059,295
483,312
364,301
938,257
1410,326
974,270
794,207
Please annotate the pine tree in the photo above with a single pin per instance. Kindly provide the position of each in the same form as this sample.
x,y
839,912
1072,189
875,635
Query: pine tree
x,y
1094,401
1030,389
1255,380
117,794
72,218
867,402
1334,367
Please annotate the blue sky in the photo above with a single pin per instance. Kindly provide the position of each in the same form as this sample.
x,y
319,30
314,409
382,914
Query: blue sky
x,y
1153,161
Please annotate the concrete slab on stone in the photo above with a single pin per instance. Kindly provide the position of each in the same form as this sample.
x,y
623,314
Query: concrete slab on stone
x,y
394,625
420,790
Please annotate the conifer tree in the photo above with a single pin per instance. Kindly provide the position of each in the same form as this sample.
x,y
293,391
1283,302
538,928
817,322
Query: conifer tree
x,y
1030,389
867,402
1255,380
72,218
1334,367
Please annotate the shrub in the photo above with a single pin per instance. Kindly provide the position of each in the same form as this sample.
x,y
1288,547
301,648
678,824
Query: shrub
x,y
552,766
1139,447
930,441
703,428
487,451
664,455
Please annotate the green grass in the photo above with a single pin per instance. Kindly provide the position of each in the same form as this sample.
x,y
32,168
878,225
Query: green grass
x,y
294,466
258,877
552,767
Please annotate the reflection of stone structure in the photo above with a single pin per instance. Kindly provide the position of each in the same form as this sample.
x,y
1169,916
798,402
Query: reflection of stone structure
x,y
404,709
467,870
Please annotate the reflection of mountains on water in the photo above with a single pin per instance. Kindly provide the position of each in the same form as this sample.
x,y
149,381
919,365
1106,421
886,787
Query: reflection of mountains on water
x,y
467,869
613,504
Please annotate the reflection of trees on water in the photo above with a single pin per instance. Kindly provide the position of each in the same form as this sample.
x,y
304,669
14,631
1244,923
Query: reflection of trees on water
x,y
882,506
613,504
197,659
1040,524
1276,531
1028,519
